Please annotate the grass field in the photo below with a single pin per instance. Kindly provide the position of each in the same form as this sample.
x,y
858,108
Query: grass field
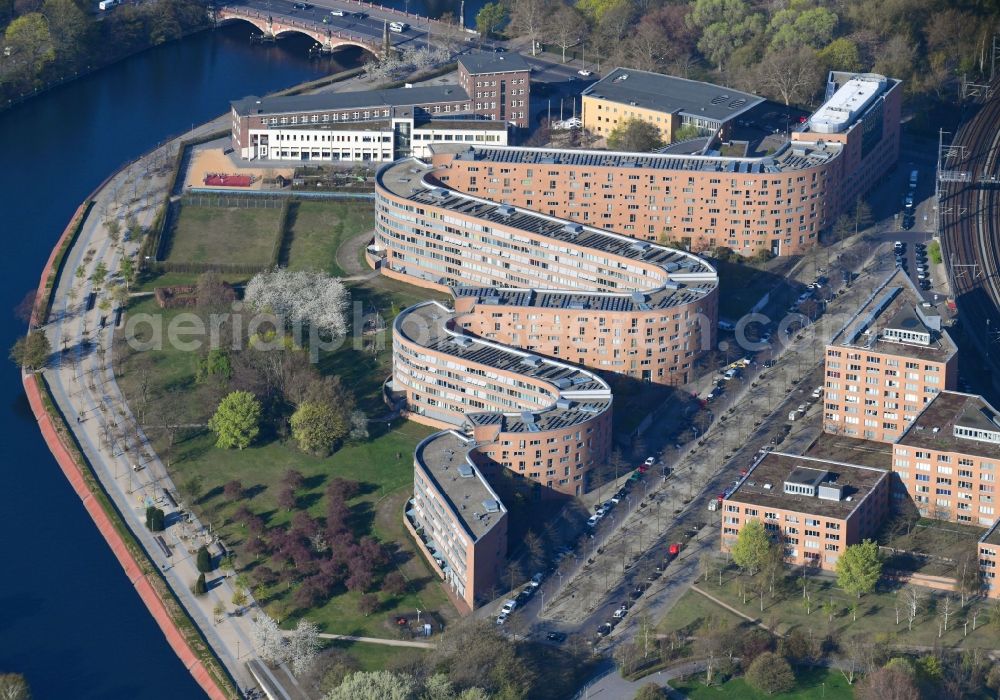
x,y
317,229
812,684
694,610
876,614
223,235
376,657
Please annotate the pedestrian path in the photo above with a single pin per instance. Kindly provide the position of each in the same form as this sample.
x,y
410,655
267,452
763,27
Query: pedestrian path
x,y
379,640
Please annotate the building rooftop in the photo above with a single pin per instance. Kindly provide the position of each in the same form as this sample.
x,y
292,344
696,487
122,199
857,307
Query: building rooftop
x,y
764,485
894,320
934,427
849,101
866,453
672,95
445,459
788,157
574,395
319,102
476,63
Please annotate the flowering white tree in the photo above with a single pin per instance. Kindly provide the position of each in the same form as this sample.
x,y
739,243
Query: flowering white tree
x,y
305,296
303,646
270,641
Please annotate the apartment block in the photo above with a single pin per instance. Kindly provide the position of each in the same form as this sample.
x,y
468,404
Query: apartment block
x,y
947,460
777,201
989,556
814,508
456,518
499,86
887,364
664,101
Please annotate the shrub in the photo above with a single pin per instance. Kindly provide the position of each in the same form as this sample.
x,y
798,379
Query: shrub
x,y
204,560
154,519
200,587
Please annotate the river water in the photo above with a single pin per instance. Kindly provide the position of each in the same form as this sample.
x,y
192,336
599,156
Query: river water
x,y
69,619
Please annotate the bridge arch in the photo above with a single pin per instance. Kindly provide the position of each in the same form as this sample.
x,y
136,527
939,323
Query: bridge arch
x,y
329,39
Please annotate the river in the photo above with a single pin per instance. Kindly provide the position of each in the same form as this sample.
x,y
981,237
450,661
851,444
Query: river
x,y
69,619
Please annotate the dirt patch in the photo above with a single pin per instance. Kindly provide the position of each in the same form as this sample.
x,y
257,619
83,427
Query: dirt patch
x,y
213,160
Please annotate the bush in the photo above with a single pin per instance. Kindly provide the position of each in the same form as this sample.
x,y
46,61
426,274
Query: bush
x,y
934,252
770,673
204,560
200,587
154,519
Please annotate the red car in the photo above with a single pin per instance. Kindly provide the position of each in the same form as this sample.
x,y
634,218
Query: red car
x,y
674,550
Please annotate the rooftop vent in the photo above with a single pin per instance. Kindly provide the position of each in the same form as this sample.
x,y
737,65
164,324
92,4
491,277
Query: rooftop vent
x,y
623,76
573,229
439,193
528,417
638,298
767,487
461,341
531,361
563,404
563,383
505,211
465,471
491,506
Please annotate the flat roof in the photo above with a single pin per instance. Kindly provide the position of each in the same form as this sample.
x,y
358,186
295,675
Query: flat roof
x,y
948,409
577,394
849,101
866,453
896,304
322,101
764,484
789,157
670,94
445,459
476,63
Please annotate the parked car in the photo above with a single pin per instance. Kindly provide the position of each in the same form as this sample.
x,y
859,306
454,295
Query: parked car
x,y
508,606
592,520
585,73
501,618
650,461
536,580
557,637
604,630
817,392
337,13
620,612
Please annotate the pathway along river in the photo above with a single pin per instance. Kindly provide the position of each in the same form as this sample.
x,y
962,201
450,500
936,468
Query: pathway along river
x,y
69,619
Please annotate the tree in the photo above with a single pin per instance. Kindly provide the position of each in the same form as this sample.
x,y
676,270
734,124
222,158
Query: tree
x,y
192,487
154,519
200,587
233,490
14,686
215,364
790,73
31,352
204,559
726,26
303,646
30,45
798,26
212,293
268,639
566,27
751,548
127,271
239,599
840,54
375,685
99,274
490,18
304,297
890,682
318,427
859,568
368,603
527,19
770,673
218,611
650,691
286,499
359,426
635,135
394,583
237,420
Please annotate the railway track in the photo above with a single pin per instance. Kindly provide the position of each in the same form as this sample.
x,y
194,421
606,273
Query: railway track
x,y
970,228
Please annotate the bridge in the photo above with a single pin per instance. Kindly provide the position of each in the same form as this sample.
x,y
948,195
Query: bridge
x,y
350,23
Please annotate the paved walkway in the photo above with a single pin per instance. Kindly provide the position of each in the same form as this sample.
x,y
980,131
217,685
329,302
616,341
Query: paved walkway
x,y
611,686
84,387
349,256
380,640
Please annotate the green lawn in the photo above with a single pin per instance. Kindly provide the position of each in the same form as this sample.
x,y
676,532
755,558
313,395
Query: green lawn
x,y
692,611
876,614
813,684
317,230
223,235
376,657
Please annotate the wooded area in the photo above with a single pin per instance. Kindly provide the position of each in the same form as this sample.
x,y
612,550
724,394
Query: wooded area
x,y
47,41
777,48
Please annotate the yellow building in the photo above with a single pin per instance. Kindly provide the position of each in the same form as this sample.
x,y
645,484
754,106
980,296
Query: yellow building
x,y
668,102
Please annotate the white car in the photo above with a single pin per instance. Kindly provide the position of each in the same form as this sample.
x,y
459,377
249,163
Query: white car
x,y
337,13
620,612
650,461
817,392
592,520
585,73
508,607
501,618
536,580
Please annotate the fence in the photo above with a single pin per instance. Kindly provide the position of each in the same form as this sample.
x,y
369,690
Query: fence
x,y
230,200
